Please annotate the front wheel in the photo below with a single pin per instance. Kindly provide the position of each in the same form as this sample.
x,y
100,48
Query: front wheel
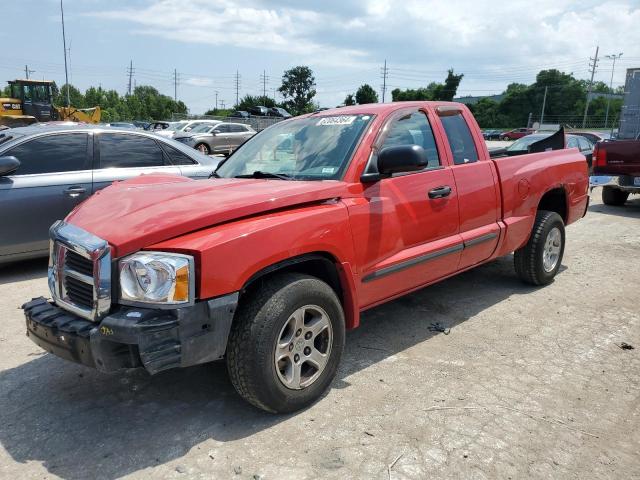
x,y
539,260
286,342
203,148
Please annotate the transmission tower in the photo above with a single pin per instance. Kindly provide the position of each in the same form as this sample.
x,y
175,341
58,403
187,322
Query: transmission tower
x,y
237,82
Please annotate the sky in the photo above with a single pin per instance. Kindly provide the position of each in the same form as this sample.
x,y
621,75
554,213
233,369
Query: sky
x,y
344,42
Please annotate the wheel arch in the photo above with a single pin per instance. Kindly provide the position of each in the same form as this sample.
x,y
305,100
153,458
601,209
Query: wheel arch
x,y
555,200
322,265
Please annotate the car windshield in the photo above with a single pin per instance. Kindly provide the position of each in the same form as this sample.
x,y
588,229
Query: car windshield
x,y
312,148
202,128
176,127
524,142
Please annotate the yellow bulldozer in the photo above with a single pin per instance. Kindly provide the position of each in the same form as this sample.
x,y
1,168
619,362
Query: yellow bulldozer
x,y
31,101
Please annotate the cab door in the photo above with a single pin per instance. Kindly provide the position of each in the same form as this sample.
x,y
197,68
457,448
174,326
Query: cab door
x,y
405,227
477,187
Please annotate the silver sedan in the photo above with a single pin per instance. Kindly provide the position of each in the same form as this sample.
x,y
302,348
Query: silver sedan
x,y
221,138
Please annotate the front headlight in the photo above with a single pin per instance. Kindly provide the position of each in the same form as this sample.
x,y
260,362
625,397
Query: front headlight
x,y
157,278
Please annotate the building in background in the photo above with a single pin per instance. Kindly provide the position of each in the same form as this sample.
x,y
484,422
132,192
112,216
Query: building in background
x,y
630,113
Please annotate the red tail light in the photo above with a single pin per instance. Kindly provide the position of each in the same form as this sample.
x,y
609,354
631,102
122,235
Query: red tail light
x,y
599,156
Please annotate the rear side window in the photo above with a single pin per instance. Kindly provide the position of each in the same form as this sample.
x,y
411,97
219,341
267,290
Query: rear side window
x,y
584,144
413,129
572,142
222,128
122,150
460,139
52,153
176,157
237,128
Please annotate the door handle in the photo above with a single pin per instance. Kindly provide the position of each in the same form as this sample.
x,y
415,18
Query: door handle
x,y
74,192
440,192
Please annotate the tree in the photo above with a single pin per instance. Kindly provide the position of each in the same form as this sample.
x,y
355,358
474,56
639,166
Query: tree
x,y
433,91
249,101
366,94
349,100
298,90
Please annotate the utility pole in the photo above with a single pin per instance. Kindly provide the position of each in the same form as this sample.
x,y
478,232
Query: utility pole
x,y
264,79
613,57
544,102
27,71
130,72
237,87
593,72
385,72
222,104
216,109
175,85
64,45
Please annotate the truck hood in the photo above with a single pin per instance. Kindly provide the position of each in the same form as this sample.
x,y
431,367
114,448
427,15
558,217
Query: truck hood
x,y
136,213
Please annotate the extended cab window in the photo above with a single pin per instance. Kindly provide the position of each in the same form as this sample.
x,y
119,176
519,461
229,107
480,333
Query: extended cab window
x,y
52,153
122,150
460,140
413,129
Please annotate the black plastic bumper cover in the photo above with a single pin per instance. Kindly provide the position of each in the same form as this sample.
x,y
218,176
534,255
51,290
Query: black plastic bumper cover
x,y
133,337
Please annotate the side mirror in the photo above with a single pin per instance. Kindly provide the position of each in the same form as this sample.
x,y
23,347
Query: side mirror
x,y
188,129
214,132
8,165
402,158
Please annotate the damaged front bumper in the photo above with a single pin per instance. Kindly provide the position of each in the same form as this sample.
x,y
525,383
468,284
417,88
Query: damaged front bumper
x,y
132,337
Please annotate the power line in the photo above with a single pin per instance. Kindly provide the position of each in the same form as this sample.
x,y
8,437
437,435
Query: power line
x,y
593,72
264,79
130,72
237,82
385,72
27,71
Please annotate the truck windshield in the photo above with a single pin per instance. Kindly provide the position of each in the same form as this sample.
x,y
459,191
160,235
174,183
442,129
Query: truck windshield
x,y
312,148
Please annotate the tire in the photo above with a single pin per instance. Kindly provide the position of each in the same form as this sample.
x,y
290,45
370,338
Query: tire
x,y
538,262
203,148
265,319
613,196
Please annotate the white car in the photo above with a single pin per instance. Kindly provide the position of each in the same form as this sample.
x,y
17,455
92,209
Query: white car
x,y
183,126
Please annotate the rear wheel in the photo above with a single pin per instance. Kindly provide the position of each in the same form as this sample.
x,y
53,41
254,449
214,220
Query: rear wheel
x,y
203,148
286,342
614,196
540,259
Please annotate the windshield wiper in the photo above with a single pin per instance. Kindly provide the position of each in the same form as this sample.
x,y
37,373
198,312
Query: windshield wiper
x,y
214,174
261,174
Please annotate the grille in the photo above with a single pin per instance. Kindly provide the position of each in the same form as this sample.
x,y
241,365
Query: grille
x,y
78,263
78,292
79,271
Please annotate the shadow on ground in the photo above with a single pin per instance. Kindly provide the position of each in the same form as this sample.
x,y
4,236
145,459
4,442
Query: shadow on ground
x,y
630,209
24,270
75,420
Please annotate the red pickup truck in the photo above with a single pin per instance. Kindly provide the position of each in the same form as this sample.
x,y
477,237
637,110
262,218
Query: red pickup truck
x,y
616,168
308,224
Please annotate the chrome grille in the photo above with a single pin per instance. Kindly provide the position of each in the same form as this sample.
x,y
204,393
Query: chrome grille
x,y
79,271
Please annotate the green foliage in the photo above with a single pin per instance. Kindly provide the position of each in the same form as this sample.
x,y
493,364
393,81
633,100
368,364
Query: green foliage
x,y
366,94
434,91
298,90
249,101
349,100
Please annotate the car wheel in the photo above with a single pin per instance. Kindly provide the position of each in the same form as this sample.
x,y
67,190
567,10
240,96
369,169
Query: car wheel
x,y
613,196
286,342
539,260
203,148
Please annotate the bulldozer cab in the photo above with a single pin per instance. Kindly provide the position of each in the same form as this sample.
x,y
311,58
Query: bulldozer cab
x,y
36,97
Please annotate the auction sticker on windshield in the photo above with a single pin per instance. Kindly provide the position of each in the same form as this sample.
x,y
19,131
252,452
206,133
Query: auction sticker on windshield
x,y
338,120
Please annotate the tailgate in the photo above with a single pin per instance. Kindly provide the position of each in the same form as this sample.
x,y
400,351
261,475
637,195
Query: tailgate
x,y
621,157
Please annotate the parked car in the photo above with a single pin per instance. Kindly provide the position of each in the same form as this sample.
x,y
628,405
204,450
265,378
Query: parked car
x,y
259,111
491,134
45,173
279,112
593,137
240,114
616,168
221,138
516,133
184,126
309,223
141,124
522,145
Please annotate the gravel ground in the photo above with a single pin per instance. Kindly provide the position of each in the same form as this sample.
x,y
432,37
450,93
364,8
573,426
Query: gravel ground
x,y
529,383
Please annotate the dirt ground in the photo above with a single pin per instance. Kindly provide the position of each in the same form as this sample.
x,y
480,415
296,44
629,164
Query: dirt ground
x,y
529,383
